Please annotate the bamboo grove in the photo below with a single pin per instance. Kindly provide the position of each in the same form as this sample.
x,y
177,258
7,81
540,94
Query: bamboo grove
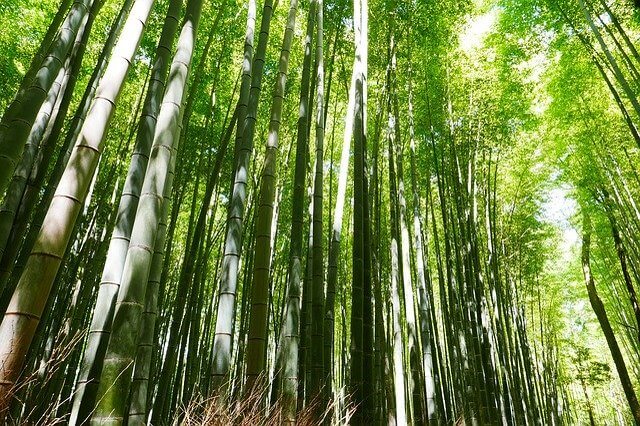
x,y
309,212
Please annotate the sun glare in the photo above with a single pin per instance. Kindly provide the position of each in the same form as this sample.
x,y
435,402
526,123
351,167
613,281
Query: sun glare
x,y
476,30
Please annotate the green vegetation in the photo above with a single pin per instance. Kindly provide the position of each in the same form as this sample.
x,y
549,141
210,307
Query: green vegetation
x,y
306,212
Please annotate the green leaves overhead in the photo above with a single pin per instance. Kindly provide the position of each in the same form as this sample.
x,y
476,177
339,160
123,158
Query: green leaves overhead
x,y
406,248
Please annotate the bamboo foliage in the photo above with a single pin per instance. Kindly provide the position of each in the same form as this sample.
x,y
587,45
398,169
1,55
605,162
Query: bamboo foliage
x,y
150,273
14,137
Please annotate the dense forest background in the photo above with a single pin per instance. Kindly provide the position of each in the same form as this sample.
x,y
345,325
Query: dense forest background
x,y
259,212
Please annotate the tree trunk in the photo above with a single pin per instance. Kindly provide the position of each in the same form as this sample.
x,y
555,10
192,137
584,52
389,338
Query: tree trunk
x,y
317,376
258,330
291,322
356,387
115,380
100,328
601,314
251,71
13,139
19,323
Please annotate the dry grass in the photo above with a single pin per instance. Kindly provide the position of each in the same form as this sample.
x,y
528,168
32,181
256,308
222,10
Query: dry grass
x,y
28,402
252,411
26,391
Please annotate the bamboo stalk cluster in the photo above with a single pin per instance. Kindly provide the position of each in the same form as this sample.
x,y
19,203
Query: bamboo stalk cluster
x,y
168,268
